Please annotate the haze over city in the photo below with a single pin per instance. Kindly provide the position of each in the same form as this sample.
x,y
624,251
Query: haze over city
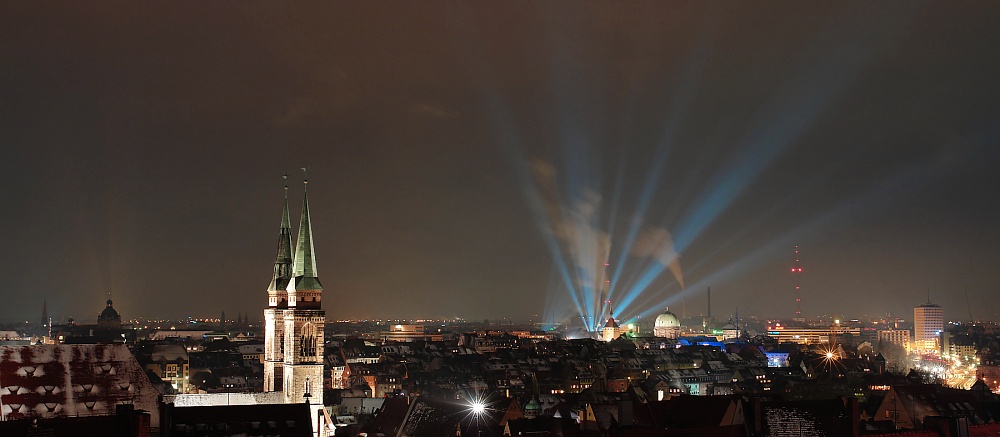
x,y
482,161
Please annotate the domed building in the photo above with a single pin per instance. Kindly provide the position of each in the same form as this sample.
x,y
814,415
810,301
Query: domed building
x,y
109,320
667,325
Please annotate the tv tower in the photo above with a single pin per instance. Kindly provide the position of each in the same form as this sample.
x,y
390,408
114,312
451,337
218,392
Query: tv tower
x,y
607,280
796,275
605,293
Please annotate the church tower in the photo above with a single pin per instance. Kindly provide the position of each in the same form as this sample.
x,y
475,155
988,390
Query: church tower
x,y
304,319
277,304
611,329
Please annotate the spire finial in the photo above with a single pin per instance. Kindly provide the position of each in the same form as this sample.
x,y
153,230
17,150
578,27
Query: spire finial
x,y
305,262
305,176
283,259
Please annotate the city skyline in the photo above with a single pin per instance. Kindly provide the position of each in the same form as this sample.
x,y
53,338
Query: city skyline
x,y
483,161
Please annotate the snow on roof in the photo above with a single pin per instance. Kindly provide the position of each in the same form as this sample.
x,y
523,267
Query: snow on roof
x,y
72,380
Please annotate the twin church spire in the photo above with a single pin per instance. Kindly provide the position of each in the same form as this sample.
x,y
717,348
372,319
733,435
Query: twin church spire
x,y
294,269
283,261
305,259
294,318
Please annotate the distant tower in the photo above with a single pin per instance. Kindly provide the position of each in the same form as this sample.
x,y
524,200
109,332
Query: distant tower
x,y
611,329
607,281
605,291
709,303
706,322
45,314
796,275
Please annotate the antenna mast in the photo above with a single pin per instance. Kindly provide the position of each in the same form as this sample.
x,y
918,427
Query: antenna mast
x,y
796,275
605,282
967,304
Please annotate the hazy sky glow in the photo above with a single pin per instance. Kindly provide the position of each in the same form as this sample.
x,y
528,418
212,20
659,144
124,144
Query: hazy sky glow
x,y
485,160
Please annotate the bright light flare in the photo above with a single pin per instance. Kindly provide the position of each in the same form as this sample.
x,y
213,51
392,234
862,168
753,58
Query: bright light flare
x,y
477,409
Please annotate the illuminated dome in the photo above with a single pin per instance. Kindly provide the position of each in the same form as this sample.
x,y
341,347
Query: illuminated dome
x,y
667,325
666,320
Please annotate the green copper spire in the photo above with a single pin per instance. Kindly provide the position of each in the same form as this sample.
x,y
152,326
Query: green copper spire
x,y
306,276
283,260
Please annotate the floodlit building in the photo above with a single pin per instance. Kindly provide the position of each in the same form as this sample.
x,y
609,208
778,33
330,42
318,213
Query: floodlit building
x,y
900,337
730,331
928,324
170,363
611,329
667,325
809,335
294,318
408,333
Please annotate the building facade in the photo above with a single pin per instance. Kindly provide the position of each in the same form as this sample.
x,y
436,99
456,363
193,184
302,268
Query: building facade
x,y
611,330
928,324
667,325
810,335
900,337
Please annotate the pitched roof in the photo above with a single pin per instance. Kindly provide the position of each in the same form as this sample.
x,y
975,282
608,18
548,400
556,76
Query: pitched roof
x,y
690,411
813,417
432,417
390,417
287,420
71,380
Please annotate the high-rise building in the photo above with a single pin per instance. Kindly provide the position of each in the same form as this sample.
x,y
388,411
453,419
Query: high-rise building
x,y
294,318
928,323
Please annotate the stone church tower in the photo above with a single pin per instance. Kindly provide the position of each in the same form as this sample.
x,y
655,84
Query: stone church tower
x,y
611,329
277,303
294,318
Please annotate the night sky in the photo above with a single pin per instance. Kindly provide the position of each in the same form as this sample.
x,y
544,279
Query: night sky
x,y
478,159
